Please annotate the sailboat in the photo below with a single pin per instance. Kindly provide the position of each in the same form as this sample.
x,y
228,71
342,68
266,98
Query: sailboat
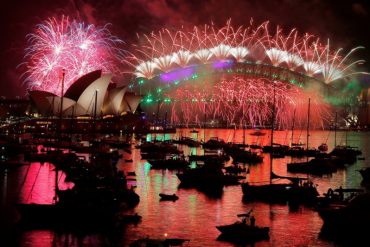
x,y
296,149
346,153
315,166
296,190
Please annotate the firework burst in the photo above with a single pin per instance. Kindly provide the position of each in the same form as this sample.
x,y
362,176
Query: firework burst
x,y
247,101
302,53
78,48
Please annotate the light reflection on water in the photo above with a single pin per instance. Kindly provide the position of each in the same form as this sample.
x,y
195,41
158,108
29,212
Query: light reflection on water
x,y
195,215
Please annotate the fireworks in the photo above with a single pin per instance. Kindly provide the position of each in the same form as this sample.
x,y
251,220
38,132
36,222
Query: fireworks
x,y
224,74
304,54
68,44
246,101
228,74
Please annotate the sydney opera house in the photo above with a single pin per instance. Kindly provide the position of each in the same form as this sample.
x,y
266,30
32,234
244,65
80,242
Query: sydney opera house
x,y
91,95
91,102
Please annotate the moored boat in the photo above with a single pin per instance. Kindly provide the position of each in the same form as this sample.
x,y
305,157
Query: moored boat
x,y
365,173
158,242
297,191
241,231
353,216
168,197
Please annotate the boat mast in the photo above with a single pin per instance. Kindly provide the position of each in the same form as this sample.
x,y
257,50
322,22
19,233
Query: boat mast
x,y
243,134
308,130
165,122
157,115
335,130
60,134
308,122
204,126
71,127
95,106
272,132
291,142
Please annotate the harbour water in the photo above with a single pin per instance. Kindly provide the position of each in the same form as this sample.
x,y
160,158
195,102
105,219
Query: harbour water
x,y
196,214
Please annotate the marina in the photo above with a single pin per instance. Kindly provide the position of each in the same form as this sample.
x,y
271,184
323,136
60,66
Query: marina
x,y
196,208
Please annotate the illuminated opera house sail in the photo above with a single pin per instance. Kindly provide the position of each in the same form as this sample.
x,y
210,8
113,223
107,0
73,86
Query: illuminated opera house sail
x,y
90,95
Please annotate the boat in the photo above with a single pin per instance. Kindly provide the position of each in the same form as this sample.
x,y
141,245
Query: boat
x,y
337,197
296,150
317,166
194,131
365,173
214,143
351,217
241,231
128,160
171,162
347,154
215,158
208,175
296,190
168,197
129,218
243,156
255,146
187,141
323,147
235,169
276,148
257,133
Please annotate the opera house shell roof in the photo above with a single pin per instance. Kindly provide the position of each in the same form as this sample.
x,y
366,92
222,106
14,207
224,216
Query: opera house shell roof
x,y
91,95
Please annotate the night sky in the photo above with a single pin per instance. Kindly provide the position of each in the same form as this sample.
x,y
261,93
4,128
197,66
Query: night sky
x,y
345,23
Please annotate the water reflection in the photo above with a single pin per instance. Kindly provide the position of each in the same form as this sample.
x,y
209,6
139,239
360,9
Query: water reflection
x,y
196,213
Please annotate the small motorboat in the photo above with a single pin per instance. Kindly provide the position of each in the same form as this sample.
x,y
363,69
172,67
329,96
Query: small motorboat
x,y
241,231
129,160
130,218
323,147
158,242
257,133
365,173
167,197
194,131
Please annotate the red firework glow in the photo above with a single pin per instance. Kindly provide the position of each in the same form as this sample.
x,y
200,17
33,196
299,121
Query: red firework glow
x,y
306,54
256,57
78,48
248,101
